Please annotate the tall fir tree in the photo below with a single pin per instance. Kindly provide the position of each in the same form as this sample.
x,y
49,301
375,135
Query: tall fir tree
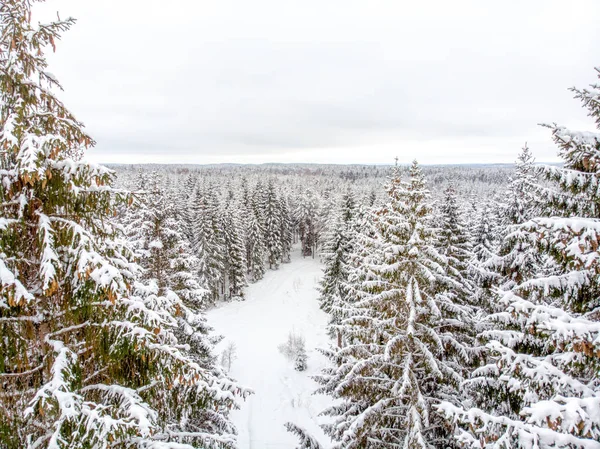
x,y
456,290
454,243
89,357
305,217
206,245
236,254
516,260
541,385
484,248
255,247
186,208
392,371
286,229
272,227
214,218
521,204
336,253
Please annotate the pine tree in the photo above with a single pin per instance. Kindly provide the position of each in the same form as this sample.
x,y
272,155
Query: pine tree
x,y
392,371
89,357
541,385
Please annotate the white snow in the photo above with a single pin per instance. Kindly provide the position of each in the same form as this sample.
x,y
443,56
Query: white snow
x,y
285,300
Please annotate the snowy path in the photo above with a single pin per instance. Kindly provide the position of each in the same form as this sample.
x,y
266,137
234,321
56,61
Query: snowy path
x,y
285,300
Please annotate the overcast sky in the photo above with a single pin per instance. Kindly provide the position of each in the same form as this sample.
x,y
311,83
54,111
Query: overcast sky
x,y
324,81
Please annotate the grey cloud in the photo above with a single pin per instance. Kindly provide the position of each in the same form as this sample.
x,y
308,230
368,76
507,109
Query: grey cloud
x,y
265,80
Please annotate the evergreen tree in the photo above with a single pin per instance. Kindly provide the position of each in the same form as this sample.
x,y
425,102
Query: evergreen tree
x,y
454,244
255,248
484,248
218,252
206,245
541,385
89,357
516,260
522,202
272,226
236,257
335,257
186,209
392,371
455,290
306,214
286,229
163,251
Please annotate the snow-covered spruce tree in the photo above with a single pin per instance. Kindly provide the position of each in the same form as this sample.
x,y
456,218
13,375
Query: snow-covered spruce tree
x,y
214,218
372,200
258,202
255,247
456,291
272,227
185,205
236,254
484,248
335,256
541,387
392,371
305,217
454,243
256,250
206,246
163,251
520,198
363,241
326,215
84,360
286,233
517,259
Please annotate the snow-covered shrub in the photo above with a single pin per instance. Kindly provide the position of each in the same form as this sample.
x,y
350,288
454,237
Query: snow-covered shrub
x,y
300,362
294,349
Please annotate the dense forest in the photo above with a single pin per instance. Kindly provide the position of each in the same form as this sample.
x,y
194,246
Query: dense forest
x,y
463,302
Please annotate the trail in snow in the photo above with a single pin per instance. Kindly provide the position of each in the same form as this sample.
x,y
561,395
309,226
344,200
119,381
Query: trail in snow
x,y
285,300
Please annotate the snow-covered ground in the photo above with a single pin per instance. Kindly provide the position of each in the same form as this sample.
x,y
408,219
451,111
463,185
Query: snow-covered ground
x,y
285,300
